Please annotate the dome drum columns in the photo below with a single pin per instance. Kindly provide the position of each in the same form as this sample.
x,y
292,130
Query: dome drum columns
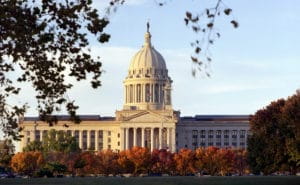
x,y
147,86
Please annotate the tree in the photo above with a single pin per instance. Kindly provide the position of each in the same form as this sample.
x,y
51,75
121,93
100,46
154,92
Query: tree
x,y
140,157
91,163
54,141
27,162
184,161
7,150
240,161
274,143
34,146
162,161
225,161
107,162
47,40
126,166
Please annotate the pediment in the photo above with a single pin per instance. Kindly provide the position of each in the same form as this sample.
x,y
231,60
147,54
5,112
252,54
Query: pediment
x,y
147,116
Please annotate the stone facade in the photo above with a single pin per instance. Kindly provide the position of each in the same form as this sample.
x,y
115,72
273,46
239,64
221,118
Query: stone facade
x,y
147,118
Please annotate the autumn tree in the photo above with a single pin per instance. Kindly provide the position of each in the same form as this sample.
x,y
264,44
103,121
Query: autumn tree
x,y
274,143
224,161
162,161
126,166
184,161
91,163
140,157
240,161
27,162
107,162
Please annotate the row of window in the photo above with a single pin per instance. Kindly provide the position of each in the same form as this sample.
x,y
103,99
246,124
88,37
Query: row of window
x,y
37,137
218,133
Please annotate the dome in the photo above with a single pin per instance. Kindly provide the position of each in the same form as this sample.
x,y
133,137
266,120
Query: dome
x,y
147,58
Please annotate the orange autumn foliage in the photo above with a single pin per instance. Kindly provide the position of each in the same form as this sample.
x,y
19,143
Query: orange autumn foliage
x,y
27,162
184,161
140,157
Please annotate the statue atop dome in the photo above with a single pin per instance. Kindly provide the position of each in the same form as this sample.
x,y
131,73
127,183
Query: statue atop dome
x,y
148,26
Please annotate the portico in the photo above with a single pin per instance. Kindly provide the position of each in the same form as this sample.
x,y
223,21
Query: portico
x,y
150,137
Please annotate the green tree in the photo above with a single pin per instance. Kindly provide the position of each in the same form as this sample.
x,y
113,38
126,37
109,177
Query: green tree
x,y
54,141
7,150
274,143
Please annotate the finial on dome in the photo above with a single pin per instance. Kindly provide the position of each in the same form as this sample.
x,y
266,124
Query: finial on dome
x,y
148,35
148,26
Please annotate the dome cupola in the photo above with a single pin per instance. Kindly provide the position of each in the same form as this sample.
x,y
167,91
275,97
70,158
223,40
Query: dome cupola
x,y
147,79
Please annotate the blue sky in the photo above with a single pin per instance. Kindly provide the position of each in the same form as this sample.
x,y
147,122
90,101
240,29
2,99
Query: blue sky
x,y
252,65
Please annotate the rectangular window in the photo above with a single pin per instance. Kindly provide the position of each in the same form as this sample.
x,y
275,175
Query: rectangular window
x,y
218,134
100,140
202,134
195,138
37,135
234,134
242,133
69,132
210,134
92,140
226,133
76,135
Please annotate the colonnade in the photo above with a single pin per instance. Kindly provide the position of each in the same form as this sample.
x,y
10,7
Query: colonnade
x,y
144,92
150,137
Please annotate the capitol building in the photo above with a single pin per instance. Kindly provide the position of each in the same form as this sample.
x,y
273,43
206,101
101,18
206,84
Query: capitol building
x,y
147,118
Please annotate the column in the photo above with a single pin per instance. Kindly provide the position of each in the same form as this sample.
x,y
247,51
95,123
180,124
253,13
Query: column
x,y
41,135
88,139
160,133
143,137
122,139
173,139
80,139
96,140
134,93
73,133
152,138
168,138
125,93
32,135
105,139
134,137
127,138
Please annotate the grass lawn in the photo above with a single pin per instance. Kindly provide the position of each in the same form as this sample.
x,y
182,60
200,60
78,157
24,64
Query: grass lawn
x,y
269,180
